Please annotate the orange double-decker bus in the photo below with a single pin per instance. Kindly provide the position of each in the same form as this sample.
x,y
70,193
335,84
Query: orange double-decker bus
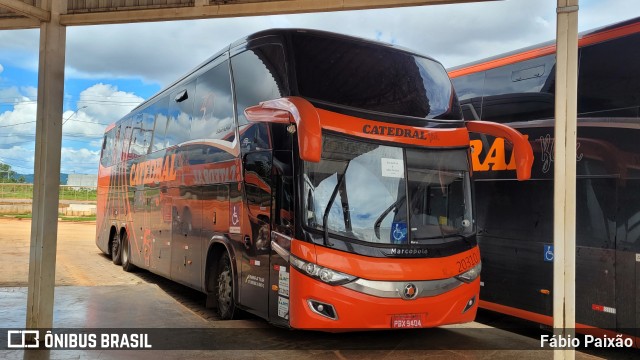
x,y
316,180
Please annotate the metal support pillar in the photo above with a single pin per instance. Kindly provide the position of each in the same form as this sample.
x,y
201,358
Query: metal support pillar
x,y
564,197
46,183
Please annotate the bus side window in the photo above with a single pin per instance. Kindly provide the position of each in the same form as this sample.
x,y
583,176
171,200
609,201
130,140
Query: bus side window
x,y
148,124
159,110
283,179
469,89
521,91
608,83
284,205
127,129
257,174
180,114
139,139
213,111
107,148
259,74
116,155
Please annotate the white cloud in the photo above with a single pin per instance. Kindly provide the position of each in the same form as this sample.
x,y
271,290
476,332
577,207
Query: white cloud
x,y
79,161
11,95
18,125
82,129
1,69
29,91
19,48
105,103
20,157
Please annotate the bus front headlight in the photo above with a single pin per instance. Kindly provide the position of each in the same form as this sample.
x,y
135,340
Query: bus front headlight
x,y
471,274
326,275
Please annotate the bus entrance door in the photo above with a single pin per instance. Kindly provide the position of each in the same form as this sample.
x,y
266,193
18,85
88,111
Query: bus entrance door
x,y
254,284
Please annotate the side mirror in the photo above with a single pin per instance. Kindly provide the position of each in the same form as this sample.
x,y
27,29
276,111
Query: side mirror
x,y
522,151
293,110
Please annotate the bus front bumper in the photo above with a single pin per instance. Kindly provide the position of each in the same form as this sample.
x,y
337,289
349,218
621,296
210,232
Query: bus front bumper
x,y
353,310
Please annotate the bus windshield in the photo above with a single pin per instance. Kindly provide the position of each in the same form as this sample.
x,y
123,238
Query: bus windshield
x,y
381,79
388,195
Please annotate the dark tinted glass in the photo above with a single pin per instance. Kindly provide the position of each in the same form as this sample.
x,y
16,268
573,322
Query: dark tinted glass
x,y
521,91
127,129
608,80
469,89
141,137
374,78
180,114
160,109
117,152
257,175
213,111
108,145
259,74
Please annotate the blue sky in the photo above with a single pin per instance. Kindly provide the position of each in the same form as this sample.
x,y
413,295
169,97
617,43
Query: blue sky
x,y
110,69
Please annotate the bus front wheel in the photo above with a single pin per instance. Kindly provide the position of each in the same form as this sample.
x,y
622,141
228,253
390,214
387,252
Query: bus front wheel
x,y
224,291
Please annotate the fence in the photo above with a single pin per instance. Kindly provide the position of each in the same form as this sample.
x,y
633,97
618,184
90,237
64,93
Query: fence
x,y
67,192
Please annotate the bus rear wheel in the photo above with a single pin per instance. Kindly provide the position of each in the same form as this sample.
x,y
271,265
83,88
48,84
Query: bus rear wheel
x,y
116,250
224,289
126,254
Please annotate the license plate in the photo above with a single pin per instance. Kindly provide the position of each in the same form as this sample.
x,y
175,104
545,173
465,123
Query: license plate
x,y
406,321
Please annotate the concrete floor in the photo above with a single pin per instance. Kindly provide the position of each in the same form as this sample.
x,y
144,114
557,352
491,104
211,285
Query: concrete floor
x,y
171,326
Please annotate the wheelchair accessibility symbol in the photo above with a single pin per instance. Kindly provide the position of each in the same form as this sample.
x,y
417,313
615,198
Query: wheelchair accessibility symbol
x,y
234,218
398,233
548,253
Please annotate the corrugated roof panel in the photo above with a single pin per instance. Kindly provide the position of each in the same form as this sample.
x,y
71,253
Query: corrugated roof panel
x,y
84,6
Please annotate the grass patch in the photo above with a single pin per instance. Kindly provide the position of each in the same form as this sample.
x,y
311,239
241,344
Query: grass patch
x,y
25,191
78,218
60,217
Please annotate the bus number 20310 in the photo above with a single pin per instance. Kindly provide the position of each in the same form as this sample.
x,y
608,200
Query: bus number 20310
x,y
468,262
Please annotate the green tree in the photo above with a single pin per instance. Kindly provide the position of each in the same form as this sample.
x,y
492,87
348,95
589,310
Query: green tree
x,y
9,176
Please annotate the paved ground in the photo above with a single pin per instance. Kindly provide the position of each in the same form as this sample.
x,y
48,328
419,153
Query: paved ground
x,y
81,263
78,259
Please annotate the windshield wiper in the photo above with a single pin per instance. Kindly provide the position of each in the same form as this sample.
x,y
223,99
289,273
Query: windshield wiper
x,y
441,236
376,226
325,217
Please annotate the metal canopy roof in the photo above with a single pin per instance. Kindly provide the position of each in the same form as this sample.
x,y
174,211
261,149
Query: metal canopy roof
x,y
21,14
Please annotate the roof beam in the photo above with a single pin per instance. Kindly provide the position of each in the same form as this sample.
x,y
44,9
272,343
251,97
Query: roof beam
x,y
19,23
201,11
22,8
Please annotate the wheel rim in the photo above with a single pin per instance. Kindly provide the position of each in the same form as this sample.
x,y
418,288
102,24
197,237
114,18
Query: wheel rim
x,y
224,291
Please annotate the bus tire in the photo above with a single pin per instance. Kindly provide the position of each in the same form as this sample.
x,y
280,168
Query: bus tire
x,y
126,254
116,250
224,288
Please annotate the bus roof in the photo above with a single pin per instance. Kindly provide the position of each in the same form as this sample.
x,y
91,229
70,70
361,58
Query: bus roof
x,y
586,38
276,32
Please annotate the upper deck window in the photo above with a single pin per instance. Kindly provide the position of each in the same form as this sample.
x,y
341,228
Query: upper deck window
x,y
259,75
373,78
